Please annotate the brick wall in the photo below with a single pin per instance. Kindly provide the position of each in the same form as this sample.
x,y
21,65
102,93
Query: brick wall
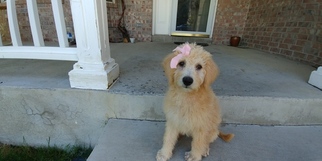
x,y
137,18
4,27
292,28
230,20
46,20
113,14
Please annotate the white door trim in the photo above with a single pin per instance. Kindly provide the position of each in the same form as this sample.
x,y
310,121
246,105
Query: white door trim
x,y
163,16
210,25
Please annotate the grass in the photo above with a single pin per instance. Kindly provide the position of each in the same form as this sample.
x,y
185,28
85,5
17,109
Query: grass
x,y
27,153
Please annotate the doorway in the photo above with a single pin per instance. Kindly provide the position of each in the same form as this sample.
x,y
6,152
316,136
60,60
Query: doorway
x,y
193,18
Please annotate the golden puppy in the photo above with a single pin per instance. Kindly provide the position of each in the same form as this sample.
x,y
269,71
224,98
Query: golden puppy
x,y
190,106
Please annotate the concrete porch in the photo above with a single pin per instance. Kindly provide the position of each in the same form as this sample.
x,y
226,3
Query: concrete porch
x,y
243,72
37,103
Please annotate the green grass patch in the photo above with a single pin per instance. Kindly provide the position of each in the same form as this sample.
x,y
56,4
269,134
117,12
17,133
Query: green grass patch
x,y
27,153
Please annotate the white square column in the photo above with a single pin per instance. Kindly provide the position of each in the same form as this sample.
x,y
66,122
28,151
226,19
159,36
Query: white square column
x,y
95,68
316,78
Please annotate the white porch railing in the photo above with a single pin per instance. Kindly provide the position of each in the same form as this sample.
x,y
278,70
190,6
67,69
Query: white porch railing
x,y
95,69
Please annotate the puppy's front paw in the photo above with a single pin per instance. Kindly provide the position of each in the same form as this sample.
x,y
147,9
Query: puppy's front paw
x,y
161,157
189,157
206,153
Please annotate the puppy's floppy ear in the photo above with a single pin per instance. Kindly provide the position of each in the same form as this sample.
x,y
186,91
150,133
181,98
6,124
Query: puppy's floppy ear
x,y
169,72
212,71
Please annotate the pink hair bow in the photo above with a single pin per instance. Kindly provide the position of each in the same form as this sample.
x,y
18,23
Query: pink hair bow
x,y
184,51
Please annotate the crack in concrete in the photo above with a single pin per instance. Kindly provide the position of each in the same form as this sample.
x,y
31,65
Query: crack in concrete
x,y
70,114
46,116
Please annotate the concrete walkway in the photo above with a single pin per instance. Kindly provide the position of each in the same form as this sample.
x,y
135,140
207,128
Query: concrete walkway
x,y
253,88
128,140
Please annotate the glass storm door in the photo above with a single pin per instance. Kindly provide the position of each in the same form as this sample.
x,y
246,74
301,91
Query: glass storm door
x,y
192,18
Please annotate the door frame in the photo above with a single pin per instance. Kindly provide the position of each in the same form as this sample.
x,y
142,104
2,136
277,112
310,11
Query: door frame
x,y
210,23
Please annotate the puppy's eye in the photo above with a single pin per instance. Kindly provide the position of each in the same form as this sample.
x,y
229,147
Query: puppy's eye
x,y
198,67
181,64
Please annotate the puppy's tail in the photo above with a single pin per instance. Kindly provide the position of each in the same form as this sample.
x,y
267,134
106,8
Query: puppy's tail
x,y
226,137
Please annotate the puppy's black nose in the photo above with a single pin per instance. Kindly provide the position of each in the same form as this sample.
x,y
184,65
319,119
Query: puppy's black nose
x,y
187,80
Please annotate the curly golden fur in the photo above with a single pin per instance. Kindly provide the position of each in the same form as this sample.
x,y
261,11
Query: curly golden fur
x,y
190,106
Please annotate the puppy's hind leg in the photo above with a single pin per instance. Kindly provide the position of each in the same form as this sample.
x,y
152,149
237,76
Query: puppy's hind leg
x,y
169,140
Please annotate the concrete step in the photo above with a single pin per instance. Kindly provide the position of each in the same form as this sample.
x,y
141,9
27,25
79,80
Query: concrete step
x,y
70,116
132,140
253,88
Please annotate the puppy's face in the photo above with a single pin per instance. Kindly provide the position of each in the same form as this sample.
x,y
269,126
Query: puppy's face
x,y
192,71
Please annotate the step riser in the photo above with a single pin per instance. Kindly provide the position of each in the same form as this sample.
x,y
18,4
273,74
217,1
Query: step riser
x,y
271,111
70,116
235,109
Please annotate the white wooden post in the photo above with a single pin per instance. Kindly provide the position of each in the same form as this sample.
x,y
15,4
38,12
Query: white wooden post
x,y
316,78
60,22
95,68
0,39
35,23
13,23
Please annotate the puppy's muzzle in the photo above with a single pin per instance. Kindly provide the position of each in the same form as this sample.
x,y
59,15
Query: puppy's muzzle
x,y
187,81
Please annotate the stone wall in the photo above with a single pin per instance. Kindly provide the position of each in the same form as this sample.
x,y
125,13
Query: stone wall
x,y
230,20
292,28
